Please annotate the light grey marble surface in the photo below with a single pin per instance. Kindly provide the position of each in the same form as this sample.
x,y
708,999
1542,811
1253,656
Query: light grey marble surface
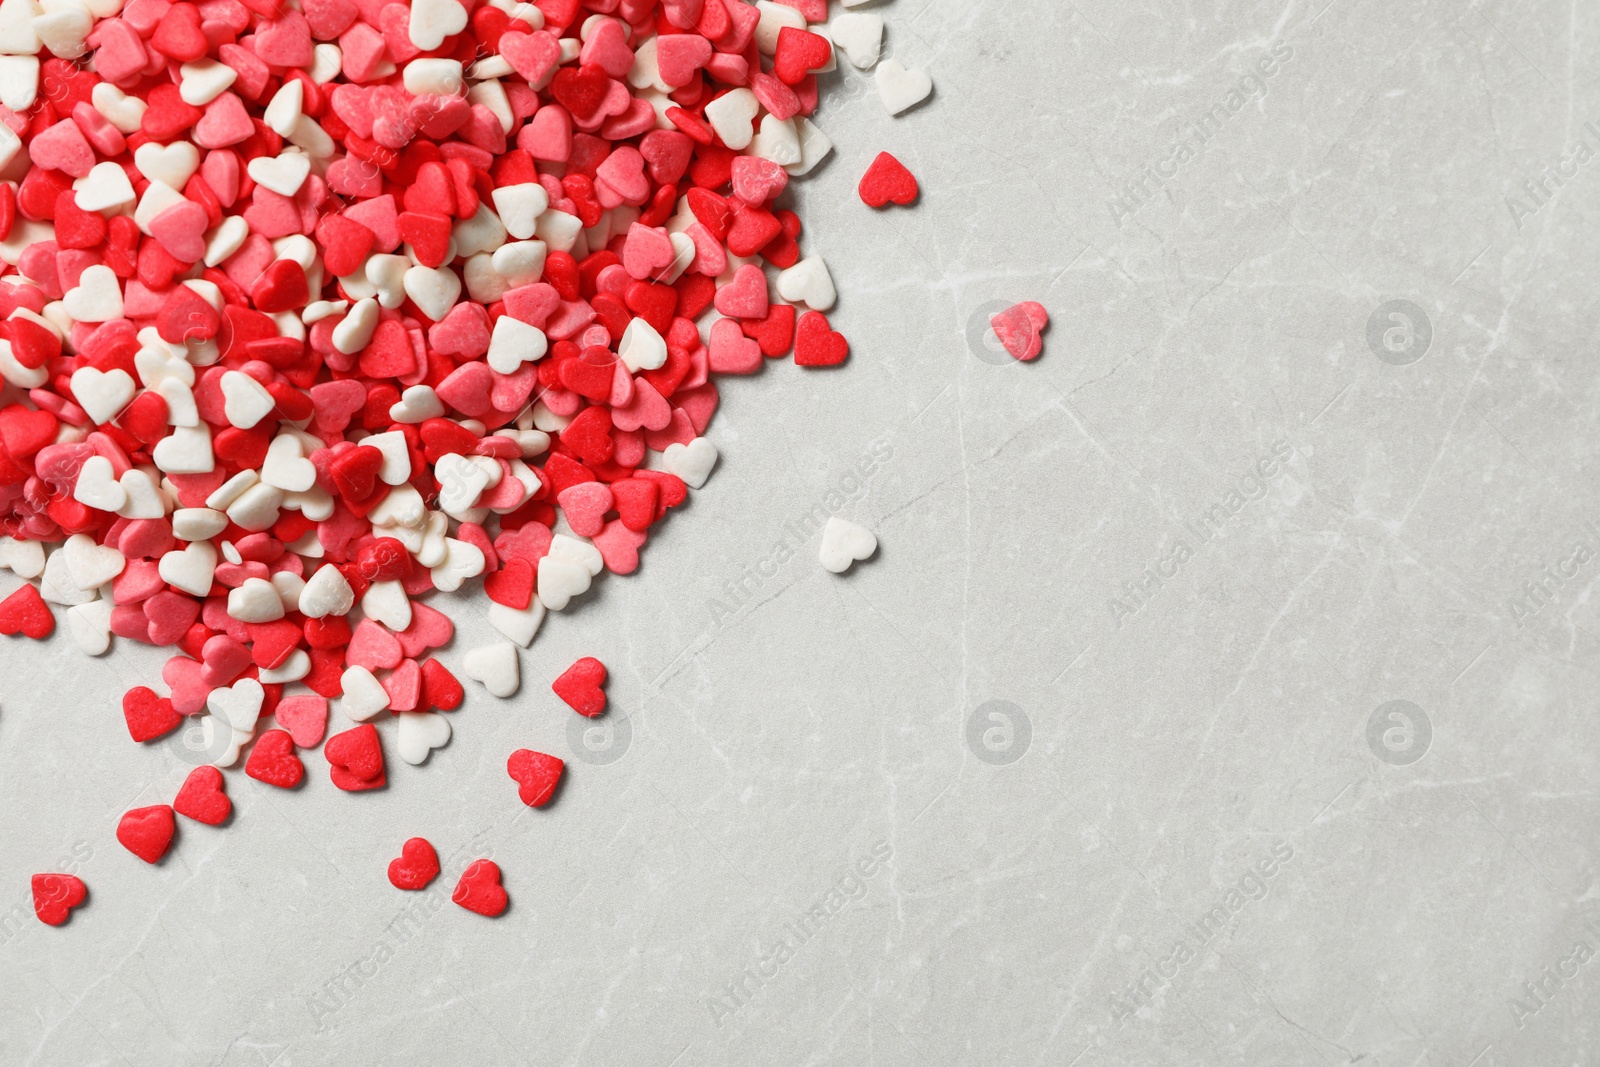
x,y
1082,879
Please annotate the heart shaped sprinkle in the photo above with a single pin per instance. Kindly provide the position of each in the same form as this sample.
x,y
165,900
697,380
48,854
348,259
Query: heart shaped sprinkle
x,y
886,180
845,543
148,716
536,774
55,895
1021,329
25,612
355,759
479,889
273,761
147,832
202,798
415,867
582,686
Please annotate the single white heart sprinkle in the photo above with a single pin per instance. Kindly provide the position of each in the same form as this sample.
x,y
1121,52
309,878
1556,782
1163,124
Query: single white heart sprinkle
x,y
419,733
25,559
462,561
860,34
326,592
97,487
845,542
496,666
102,394
519,625
900,88
519,207
90,625
190,569
286,466
732,115
641,347
172,165
692,462
143,499
364,696
386,602
91,564
808,281
434,20
283,174
245,401
514,343
238,705
256,601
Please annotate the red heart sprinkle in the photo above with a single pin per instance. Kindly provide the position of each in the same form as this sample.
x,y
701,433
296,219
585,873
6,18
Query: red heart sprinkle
x,y
272,760
887,179
816,344
580,686
536,773
417,865
355,759
147,832
25,612
202,798
479,889
440,689
1020,329
55,895
148,715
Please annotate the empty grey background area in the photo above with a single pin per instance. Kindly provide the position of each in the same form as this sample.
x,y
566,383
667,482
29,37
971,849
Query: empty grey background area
x,y
1223,692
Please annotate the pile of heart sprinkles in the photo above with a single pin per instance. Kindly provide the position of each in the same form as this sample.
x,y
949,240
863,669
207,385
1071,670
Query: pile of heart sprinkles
x,y
311,309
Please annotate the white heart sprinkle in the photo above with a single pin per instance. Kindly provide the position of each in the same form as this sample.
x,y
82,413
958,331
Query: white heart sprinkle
x,y
845,542
496,666
364,696
420,733
900,88
102,394
692,462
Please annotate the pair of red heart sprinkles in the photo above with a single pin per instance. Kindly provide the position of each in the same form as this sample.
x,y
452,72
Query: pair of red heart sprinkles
x,y
293,345
478,889
355,759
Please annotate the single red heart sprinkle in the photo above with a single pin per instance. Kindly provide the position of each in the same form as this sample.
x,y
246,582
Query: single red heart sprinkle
x,y
25,612
273,760
55,895
479,889
416,866
1021,329
201,797
147,832
816,344
537,774
887,179
148,715
512,584
580,685
440,689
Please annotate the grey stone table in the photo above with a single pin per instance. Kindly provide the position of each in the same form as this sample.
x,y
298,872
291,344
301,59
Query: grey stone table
x,y
1223,693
